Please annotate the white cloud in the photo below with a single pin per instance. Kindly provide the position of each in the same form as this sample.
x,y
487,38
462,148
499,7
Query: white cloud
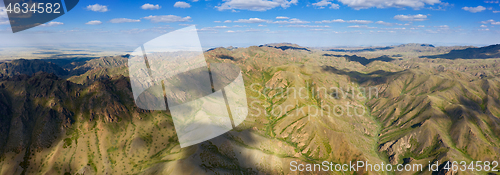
x,y
492,22
148,6
474,9
220,27
431,31
483,26
291,21
331,21
282,17
360,21
418,17
98,8
249,30
492,2
308,26
255,30
227,21
496,11
319,29
324,3
384,23
3,16
400,28
160,29
441,29
134,31
123,20
443,6
94,22
488,21
260,25
251,20
213,29
254,5
50,24
167,18
181,4
207,29
278,31
364,4
362,26
356,26
334,6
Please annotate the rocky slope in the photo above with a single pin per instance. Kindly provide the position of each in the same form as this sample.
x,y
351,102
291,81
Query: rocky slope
x,y
28,67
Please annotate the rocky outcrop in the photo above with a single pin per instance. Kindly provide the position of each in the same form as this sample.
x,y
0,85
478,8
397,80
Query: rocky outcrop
x,y
396,148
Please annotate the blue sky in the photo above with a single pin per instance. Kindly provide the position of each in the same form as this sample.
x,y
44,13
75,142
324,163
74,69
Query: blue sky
x,y
253,22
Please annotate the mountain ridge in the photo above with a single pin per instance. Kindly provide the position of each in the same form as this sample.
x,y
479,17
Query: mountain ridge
x,y
492,51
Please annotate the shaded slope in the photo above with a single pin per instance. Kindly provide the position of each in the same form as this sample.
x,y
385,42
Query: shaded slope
x,y
29,67
362,60
492,51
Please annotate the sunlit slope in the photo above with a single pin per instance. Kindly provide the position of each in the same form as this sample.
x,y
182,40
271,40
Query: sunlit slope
x,y
428,114
285,123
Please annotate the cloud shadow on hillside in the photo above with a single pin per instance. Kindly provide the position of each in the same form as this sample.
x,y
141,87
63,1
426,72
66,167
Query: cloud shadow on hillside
x,y
362,60
373,78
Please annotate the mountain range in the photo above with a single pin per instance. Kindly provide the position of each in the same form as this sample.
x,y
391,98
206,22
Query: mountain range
x,y
429,104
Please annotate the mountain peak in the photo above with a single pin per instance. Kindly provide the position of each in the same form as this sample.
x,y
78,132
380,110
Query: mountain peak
x,y
285,46
415,45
